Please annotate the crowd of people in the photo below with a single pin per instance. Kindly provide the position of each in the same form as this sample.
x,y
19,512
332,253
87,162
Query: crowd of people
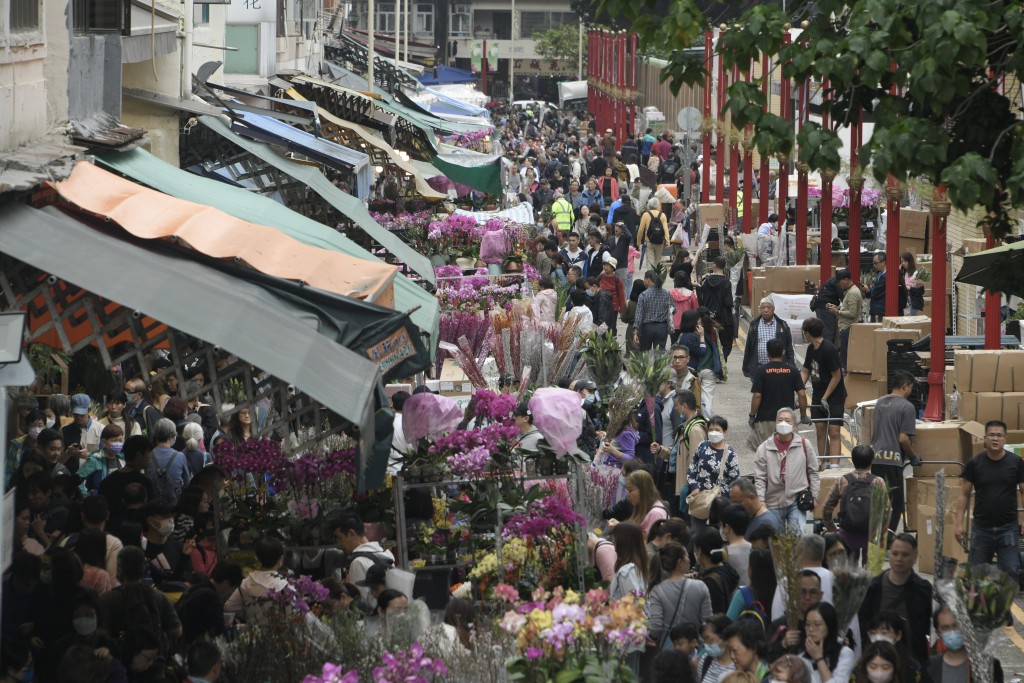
x,y
120,506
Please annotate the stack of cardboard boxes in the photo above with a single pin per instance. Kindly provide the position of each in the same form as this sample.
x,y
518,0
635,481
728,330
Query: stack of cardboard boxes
x,y
991,385
866,360
783,280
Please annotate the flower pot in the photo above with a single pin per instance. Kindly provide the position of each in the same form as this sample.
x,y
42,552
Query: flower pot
x,y
466,263
430,473
494,269
413,474
545,465
438,260
561,466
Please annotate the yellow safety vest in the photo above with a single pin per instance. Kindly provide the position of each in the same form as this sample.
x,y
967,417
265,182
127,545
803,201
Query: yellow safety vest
x,y
561,211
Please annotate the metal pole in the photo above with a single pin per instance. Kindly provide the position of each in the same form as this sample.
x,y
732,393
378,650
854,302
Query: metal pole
x,y
398,31
483,69
512,60
408,16
803,103
579,56
893,191
370,54
940,208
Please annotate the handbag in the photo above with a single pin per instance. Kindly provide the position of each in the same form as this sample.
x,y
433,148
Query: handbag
x,y
699,502
805,499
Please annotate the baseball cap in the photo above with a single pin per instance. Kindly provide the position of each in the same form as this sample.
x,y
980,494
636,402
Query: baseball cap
x,y
80,404
375,576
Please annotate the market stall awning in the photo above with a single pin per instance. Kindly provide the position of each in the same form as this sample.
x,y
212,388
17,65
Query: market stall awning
x,y
293,333
479,171
272,131
390,153
342,201
149,170
445,74
995,269
149,214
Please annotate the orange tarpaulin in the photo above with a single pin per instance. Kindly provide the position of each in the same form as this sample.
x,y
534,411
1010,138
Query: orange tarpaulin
x,y
150,214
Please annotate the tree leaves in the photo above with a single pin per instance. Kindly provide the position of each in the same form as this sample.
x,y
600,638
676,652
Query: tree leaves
x,y
948,124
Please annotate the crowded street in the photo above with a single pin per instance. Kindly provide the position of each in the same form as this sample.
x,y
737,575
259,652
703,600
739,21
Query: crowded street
x,y
621,342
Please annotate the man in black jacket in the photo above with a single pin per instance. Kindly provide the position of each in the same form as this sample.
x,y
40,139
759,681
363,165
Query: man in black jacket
x,y
716,294
767,327
830,293
899,589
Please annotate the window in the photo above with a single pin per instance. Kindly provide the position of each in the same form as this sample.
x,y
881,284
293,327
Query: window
x,y
423,22
538,22
24,16
97,16
462,20
201,15
384,18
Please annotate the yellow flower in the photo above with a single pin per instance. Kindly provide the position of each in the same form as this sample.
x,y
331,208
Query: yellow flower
x,y
541,618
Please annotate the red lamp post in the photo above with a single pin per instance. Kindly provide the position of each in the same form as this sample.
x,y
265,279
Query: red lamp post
x,y
893,194
709,65
856,184
940,208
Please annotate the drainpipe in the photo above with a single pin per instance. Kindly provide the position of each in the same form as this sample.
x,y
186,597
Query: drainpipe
x,y
186,50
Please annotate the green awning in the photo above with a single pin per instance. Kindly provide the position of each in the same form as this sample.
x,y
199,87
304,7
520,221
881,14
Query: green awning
x,y
440,126
479,171
342,201
149,170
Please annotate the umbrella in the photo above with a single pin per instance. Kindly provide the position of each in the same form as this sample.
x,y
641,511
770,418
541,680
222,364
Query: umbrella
x,y
997,270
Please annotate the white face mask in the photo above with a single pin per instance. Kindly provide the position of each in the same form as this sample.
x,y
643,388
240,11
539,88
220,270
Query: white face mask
x,y
878,676
783,428
166,527
50,423
879,638
34,432
716,437
84,626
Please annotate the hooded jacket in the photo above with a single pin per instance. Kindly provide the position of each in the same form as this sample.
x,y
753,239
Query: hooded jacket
x,y
716,295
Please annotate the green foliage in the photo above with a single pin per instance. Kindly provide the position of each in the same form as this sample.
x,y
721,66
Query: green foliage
x,y
604,359
948,123
650,369
43,359
560,43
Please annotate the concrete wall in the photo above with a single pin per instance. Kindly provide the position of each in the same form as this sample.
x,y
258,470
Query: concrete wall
x,y
210,34
162,125
94,85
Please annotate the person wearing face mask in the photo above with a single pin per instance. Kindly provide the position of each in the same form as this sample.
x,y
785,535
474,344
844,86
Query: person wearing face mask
x,y
714,660
713,467
881,663
81,431
100,464
952,664
785,466
115,406
35,423
889,628
168,558
88,631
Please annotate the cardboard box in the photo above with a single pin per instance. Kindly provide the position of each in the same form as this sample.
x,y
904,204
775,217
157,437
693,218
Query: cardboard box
x,y
453,381
1010,372
927,533
828,480
976,370
1013,402
866,423
927,310
925,492
713,215
990,404
860,388
862,338
882,336
914,246
941,444
921,323
913,223
974,245
968,406
760,288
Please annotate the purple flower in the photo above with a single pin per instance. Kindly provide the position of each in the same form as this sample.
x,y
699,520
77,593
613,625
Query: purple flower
x,y
533,653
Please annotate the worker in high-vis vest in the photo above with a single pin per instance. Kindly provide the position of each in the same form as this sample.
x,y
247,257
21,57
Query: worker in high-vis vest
x,y
561,212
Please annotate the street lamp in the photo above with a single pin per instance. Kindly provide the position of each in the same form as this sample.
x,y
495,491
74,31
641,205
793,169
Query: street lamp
x,y
12,333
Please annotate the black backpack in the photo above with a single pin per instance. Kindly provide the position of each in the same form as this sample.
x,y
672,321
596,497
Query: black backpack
x,y
655,230
856,504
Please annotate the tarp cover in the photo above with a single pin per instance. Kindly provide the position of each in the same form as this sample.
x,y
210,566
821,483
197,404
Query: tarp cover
x,y
342,201
149,170
150,214
446,74
268,129
302,336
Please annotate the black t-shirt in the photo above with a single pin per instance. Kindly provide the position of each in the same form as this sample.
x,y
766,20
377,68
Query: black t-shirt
x,y
777,383
822,362
112,488
995,488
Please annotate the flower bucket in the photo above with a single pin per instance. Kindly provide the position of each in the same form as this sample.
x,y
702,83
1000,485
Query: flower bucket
x,y
438,260
494,269
466,263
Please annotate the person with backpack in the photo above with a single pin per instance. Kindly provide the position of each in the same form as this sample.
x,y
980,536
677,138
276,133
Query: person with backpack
x,y
653,233
852,494
361,553
168,469
139,409
135,606
753,601
716,294
196,455
688,437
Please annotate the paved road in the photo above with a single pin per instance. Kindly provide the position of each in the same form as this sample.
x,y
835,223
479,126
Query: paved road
x,y
732,399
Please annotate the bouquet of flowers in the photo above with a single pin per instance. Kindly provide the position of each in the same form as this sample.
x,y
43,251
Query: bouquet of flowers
x,y
300,596
850,588
923,274
878,529
785,549
561,637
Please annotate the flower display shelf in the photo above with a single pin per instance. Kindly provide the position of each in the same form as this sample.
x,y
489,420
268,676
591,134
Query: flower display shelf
x,y
575,476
